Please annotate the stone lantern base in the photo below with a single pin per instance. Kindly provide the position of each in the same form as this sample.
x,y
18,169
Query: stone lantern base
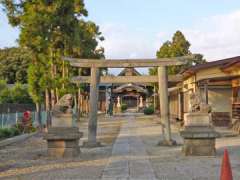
x,y
199,141
63,141
199,135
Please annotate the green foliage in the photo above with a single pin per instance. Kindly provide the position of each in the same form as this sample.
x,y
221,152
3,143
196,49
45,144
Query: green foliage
x,y
3,84
179,46
5,96
14,63
123,107
34,83
8,132
50,30
148,110
16,94
20,94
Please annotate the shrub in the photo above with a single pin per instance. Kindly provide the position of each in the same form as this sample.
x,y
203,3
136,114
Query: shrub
x,y
9,132
148,110
123,107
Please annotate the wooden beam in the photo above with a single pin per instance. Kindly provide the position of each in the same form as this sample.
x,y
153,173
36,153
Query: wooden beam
x,y
122,63
126,79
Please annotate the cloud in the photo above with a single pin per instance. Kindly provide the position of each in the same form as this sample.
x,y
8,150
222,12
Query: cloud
x,y
124,42
216,37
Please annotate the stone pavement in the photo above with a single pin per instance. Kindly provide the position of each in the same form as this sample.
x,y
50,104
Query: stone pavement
x,y
129,158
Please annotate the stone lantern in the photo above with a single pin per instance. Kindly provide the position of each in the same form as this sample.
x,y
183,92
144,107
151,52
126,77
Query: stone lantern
x,y
198,133
63,138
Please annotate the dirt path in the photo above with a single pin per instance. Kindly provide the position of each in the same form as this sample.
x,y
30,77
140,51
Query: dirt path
x,y
28,160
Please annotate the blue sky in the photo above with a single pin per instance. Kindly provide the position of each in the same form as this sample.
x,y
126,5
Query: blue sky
x,y
137,28
155,15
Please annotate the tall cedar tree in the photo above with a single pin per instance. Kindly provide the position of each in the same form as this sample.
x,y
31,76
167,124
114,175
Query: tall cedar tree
x,y
179,46
49,30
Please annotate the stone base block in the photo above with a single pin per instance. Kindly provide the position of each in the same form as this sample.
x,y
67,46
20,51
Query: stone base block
x,y
63,141
167,143
91,144
199,147
63,152
197,119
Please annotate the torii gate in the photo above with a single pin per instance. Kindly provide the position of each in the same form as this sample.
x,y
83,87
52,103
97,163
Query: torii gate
x,y
95,79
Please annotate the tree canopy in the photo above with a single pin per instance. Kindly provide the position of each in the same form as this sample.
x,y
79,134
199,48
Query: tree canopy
x,y
17,93
14,63
50,30
178,46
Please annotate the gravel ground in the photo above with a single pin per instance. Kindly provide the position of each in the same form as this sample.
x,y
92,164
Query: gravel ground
x,y
28,160
169,163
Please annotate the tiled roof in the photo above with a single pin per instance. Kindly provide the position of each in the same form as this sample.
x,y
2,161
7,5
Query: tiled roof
x,y
220,63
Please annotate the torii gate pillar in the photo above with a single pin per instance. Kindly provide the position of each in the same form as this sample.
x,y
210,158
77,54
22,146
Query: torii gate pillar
x,y
164,105
92,123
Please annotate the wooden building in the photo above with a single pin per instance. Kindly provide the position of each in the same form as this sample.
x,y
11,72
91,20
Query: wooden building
x,y
133,95
219,85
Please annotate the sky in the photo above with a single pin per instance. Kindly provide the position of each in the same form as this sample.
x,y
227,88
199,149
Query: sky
x,y
137,28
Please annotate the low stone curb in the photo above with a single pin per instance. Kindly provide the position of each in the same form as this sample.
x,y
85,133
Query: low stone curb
x,y
16,139
222,135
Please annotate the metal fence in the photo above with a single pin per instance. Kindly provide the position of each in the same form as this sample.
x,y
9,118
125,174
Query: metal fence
x,y
10,119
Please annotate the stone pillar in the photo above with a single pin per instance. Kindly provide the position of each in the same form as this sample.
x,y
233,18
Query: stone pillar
x,y
154,98
92,124
118,102
141,102
118,106
164,105
206,92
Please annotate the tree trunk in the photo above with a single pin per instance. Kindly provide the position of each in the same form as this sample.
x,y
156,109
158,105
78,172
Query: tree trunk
x,y
57,95
38,115
78,105
63,73
47,104
52,98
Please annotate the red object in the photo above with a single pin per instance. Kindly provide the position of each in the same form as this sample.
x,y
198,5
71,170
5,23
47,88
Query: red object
x,y
26,115
226,170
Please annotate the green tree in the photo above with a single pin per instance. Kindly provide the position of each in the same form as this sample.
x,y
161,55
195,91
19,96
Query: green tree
x,y
20,95
179,46
14,63
50,30
14,94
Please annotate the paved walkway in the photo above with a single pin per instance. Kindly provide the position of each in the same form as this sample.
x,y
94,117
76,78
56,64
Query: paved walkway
x,y
129,158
